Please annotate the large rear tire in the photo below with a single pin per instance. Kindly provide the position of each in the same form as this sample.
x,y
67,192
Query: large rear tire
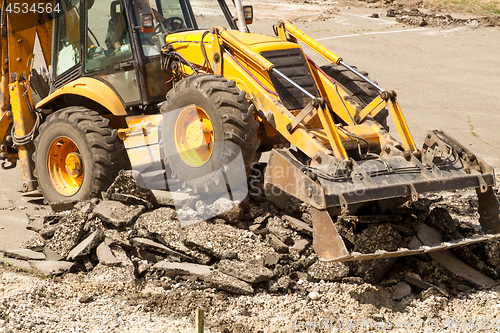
x,y
226,124
361,93
77,155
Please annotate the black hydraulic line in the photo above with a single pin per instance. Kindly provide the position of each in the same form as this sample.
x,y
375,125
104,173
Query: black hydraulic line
x,y
3,19
227,14
203,51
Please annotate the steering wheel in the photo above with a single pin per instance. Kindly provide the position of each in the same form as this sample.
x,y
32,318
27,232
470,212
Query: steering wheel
x,y
171,21
95,38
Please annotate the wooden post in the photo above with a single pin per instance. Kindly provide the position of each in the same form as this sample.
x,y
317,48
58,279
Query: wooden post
x,y
200,321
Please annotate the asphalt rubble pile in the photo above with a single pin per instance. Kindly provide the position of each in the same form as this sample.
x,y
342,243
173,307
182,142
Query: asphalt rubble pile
x,y
413,12
254,246
254,255
416,17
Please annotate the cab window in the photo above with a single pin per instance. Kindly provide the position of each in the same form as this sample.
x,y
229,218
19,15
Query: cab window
x,y
107,35
67,47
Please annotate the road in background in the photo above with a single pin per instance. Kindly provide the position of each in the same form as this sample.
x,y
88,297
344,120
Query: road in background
x,y
446,78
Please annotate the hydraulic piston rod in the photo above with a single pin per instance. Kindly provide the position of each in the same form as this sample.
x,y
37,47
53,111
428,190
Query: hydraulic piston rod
x,y
341,62
287,79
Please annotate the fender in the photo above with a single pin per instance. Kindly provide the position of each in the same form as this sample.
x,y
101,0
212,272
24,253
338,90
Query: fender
x,y
92,89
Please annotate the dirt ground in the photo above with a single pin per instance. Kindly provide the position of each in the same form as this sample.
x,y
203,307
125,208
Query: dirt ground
x,y
116,300
413,12
294,291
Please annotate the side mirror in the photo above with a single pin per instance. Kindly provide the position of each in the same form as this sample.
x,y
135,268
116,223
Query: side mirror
x,y
248,13
147,23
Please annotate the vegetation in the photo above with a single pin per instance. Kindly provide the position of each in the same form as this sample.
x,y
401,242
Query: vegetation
x,y
471,6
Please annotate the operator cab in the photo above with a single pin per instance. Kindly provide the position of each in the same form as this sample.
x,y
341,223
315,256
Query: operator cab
x,y
107,40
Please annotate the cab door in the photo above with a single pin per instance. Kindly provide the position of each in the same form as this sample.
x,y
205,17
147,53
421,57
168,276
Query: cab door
x,y
67,59
93,38
108,49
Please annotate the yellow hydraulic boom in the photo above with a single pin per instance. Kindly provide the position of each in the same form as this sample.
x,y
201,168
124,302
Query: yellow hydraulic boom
x,y
328,129
20,23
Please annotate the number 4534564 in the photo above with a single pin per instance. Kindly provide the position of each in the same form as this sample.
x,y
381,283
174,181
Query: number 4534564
x,y
25,8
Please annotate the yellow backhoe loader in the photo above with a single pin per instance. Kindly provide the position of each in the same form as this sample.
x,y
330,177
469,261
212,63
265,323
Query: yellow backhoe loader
x,y
162,84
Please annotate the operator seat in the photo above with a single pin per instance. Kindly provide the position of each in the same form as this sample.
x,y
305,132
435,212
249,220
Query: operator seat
x,y
117,34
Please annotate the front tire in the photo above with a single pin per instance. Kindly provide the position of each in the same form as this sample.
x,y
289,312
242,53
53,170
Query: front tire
x,y
224,120
77,155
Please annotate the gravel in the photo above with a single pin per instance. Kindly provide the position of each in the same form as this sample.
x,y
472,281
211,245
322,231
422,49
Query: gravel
x,y
32,304
283,292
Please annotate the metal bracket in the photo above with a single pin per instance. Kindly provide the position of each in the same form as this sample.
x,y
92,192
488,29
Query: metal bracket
x,y
413,193
343,204
483,187
11,165
312,106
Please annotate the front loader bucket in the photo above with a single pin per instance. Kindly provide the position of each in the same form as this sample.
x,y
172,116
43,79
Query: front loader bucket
x,y
441,165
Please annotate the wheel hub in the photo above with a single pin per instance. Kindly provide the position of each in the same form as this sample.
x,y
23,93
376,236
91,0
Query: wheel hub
x,y
197,134
65,166
194,136
74,164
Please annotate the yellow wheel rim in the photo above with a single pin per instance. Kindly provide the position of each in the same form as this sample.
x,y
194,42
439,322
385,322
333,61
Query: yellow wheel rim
x,y
194,136
65,167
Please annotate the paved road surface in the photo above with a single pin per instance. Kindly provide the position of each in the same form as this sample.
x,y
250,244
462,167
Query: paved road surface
x,y
446,78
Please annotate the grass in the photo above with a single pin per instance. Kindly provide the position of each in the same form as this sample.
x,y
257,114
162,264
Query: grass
x,y
471,6
14,268
471,127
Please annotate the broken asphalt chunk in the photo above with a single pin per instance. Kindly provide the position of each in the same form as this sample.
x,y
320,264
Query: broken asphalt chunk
x,y
163,221
24,254
63,205
117,213
250,272
298,225
401,290
51,254
216,278
300,245
415,280
51,267
87,245
225,241
277,244
173,269
148,244
228,283
105,256
125,184
22,264
131,200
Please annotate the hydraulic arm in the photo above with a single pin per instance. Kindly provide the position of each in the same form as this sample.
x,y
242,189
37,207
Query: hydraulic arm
x,y
20,23
329,169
